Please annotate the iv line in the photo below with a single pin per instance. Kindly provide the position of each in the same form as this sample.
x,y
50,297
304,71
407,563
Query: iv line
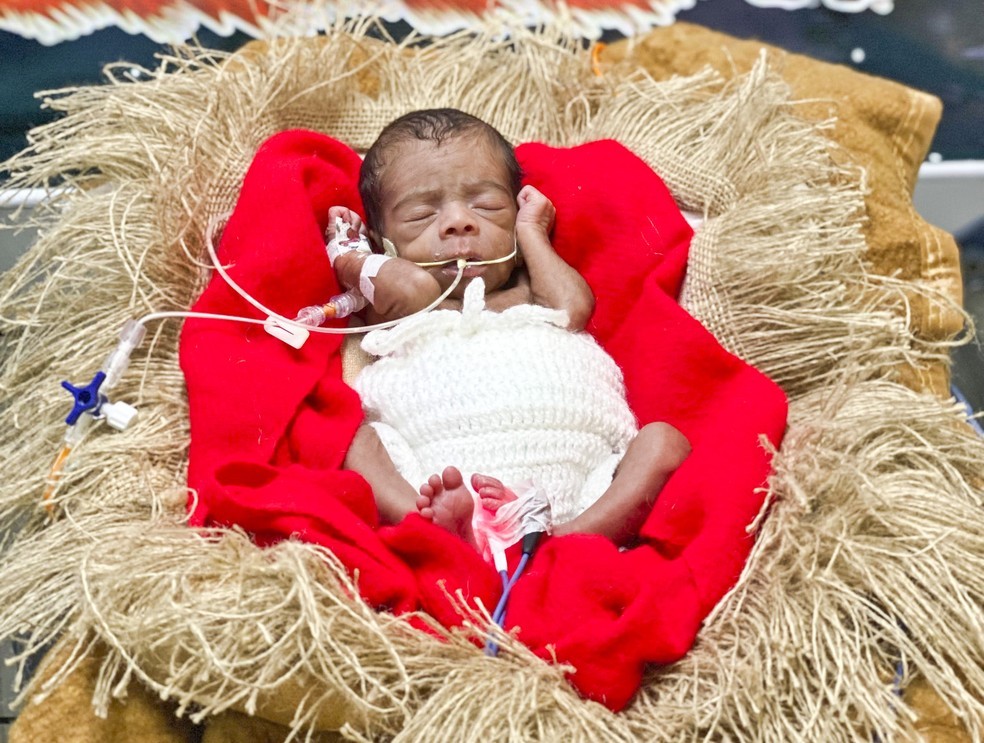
x,y
277,317
134,331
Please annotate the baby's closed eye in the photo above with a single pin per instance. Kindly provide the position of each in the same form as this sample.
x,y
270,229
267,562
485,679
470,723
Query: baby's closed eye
x,y
489,204
419,215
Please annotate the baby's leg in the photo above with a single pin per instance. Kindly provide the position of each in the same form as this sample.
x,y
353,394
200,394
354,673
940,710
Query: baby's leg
x,y
654,454
395,497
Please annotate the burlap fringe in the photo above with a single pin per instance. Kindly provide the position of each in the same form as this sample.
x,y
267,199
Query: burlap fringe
x,y
872,556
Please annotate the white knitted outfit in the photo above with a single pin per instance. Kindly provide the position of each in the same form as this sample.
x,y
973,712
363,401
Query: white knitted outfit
x,y
514,395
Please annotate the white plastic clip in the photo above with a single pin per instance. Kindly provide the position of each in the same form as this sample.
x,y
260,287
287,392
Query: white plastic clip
x,y
293,335
118,414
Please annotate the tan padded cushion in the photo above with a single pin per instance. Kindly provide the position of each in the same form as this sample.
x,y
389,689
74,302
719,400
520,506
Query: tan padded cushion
x,y
881,125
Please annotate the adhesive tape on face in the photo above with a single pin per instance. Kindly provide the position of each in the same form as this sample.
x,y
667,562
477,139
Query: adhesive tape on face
x,y
389,248
370,267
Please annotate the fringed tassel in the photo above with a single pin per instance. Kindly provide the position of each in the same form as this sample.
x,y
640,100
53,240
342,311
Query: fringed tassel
x,y
867,571
778,263
871,554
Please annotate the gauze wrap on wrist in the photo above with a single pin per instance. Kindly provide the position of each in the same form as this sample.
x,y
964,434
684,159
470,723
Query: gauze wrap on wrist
x,y
340,244
370,267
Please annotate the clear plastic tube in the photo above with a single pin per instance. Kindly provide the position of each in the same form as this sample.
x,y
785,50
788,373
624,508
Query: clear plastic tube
x,y
312,316
210,246
339,306
73,435
345,304
116,363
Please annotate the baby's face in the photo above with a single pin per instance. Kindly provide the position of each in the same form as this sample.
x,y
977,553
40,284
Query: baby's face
x,y
447,201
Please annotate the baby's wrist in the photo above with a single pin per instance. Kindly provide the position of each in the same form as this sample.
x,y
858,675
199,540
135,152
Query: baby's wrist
x,y
348,266
532,235
531,225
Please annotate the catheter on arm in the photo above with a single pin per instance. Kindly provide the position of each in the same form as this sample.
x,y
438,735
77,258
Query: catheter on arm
x,y
462,264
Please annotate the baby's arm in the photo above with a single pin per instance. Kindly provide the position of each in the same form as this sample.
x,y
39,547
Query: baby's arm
x,y
400,288
553,283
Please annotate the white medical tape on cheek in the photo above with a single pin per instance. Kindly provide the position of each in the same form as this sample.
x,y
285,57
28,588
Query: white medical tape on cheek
x,y
370,267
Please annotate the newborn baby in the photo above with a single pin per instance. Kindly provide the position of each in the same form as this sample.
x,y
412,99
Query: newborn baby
x,y
503,385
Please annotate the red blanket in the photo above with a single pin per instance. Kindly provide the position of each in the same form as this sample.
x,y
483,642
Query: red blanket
x,y
270,425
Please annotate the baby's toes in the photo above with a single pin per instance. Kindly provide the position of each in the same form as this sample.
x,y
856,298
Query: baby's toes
x,y
490,492
485,481
425,507
491,504
452,478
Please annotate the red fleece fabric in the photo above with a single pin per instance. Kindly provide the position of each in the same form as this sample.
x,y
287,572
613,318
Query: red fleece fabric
x,y
270,425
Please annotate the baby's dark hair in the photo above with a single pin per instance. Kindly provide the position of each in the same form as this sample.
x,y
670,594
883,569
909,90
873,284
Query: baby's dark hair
x,y
430,125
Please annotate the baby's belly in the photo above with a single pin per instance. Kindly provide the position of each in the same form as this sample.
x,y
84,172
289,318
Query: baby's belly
x,y
531,403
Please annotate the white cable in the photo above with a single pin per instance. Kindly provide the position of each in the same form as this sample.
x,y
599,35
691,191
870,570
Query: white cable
x,y
199,315
503,259
290,323
210,246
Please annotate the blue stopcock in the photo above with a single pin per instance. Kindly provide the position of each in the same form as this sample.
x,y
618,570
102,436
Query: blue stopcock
x,y
88,399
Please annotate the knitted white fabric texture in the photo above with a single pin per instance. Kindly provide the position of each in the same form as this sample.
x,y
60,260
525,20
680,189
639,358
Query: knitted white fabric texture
x,y
514,395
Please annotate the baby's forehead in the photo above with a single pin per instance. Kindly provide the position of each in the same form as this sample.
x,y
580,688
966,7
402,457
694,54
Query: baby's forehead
x,y
468,160
475,145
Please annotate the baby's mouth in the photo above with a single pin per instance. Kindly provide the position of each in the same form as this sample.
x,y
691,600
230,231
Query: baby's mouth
x,y
467,272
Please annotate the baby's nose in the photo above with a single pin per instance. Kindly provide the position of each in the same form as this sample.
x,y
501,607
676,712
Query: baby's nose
x,y
459,220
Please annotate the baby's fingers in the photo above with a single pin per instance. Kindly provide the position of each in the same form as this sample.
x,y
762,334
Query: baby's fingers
x,y
356,221
529,193
346,215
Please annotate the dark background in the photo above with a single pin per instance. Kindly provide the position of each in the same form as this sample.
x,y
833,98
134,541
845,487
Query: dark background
x,y
934,45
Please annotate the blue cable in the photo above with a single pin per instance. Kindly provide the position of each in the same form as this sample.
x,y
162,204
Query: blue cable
x,y
501,606
499,615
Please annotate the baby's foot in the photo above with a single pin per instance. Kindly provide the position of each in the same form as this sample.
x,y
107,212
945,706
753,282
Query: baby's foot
x,y
445,500
492,492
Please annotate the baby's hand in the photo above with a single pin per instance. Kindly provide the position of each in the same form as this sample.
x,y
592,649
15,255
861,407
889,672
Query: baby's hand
x,y
535,211
347,215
